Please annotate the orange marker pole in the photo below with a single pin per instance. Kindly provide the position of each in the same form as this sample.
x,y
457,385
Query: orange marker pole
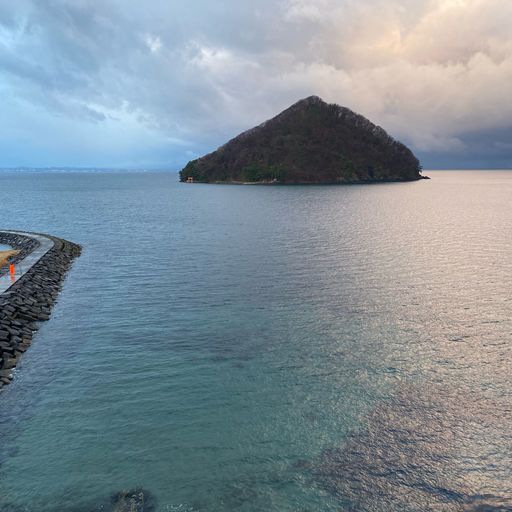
x,y
12,270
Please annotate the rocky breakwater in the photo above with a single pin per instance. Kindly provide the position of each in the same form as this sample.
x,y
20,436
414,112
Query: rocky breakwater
x,y
30,299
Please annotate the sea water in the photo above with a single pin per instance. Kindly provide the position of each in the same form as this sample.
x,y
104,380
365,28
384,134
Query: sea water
x,y
265,348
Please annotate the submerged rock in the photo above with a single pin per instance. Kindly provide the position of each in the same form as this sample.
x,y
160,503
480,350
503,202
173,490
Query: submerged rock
x,y
135,500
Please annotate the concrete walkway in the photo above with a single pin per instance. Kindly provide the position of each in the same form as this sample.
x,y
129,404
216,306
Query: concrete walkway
x,y
45,244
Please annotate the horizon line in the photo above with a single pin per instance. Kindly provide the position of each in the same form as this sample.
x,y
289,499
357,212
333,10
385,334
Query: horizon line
x,y
165,169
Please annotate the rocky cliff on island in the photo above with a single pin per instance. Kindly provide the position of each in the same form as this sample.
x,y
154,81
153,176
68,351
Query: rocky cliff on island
x,y
310,142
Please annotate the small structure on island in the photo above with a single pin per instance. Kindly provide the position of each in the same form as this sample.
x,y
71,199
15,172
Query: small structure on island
x,y
190,179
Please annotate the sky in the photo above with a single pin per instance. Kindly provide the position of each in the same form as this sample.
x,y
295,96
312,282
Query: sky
x,y
154,83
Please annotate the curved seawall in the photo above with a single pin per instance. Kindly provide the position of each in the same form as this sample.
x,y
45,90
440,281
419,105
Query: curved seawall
x,y
27,297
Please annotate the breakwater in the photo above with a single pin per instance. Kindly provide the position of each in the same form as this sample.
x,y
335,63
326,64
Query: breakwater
x,y
29,300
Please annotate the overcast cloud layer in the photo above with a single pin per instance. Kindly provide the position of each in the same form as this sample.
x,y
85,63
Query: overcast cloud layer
x,y
156,83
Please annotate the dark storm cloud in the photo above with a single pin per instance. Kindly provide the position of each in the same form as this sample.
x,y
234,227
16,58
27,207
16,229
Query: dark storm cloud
x,y
177,78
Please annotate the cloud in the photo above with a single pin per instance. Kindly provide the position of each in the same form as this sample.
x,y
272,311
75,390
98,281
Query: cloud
x,y
434,73
153,43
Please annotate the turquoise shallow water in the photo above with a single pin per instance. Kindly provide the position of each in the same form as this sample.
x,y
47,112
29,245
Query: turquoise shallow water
x,y
266,348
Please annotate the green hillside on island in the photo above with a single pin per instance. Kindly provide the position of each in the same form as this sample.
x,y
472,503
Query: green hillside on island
x,y
310,142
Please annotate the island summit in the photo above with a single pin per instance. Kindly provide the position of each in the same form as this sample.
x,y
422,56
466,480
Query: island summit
x,y
310,142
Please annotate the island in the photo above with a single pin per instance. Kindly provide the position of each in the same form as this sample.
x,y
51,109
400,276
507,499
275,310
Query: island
x,y
310,142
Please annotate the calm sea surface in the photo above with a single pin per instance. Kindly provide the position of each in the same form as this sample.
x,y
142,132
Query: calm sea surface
x,y
231,348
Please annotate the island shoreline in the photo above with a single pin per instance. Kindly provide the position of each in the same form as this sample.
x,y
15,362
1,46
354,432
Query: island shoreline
x,y
312,183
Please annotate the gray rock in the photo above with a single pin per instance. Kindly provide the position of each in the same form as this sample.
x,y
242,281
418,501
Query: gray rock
x,y
136,500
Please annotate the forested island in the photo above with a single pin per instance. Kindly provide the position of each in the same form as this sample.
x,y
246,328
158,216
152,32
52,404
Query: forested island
x,y
310,142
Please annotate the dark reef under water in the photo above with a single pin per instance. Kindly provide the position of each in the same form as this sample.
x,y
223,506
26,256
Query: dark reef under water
x,y
421,451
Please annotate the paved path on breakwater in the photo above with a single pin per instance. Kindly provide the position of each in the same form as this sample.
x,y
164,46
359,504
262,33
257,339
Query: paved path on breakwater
x,y
45,244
